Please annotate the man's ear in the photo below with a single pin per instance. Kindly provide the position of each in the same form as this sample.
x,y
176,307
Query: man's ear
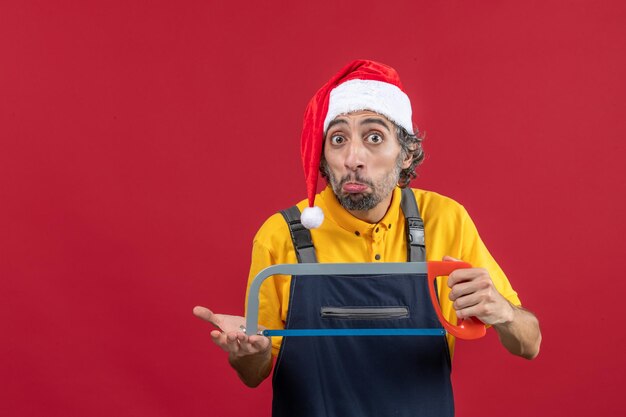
x,y
408,159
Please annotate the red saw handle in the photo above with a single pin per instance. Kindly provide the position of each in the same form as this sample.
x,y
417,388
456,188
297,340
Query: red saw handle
x,y
468,329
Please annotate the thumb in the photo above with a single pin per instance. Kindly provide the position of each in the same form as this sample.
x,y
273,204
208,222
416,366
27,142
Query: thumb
x,y
205,314
450,259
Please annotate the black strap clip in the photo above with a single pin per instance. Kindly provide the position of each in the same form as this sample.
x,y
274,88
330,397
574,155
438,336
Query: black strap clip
x,y
416,231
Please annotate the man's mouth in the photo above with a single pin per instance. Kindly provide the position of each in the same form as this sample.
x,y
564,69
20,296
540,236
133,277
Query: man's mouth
x,y
354,187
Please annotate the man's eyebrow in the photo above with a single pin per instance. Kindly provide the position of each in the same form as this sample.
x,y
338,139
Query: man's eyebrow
x,y
377,121
335,122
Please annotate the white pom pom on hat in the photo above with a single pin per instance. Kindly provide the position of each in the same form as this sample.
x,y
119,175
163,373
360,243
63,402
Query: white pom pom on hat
x,y
312,217
360,85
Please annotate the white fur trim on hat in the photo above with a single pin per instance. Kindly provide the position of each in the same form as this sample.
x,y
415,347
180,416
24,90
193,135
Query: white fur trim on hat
x,y
377,96
312,217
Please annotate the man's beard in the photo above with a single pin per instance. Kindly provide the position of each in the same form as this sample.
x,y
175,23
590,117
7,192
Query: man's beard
x,y
363,201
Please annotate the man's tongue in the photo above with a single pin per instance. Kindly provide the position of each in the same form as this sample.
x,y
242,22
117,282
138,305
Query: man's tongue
x,y
354,188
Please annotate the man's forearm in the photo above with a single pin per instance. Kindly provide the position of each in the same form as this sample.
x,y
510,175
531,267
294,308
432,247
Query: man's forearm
x,y
521,336
252,369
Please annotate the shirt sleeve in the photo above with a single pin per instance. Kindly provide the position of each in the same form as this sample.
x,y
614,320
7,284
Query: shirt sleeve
x,y
274,292
476,253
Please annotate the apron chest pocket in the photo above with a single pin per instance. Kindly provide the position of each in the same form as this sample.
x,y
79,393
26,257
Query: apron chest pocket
x,y
364,313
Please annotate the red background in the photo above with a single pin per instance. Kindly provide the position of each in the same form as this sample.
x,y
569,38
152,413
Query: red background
x,y
144,142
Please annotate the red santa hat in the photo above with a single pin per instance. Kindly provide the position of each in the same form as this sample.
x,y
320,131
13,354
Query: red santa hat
x,y
360,85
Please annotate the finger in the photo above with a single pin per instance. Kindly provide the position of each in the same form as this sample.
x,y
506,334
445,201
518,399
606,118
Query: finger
x,y
203,313
232,343
459,276
254,344
461,289
477,311
467,301
260,343
219,339
207,315
467,274
247,347
232,337
462,314
450,259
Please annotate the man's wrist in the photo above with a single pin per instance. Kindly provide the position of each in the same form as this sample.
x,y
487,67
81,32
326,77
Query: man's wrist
x,y
252,368
508,317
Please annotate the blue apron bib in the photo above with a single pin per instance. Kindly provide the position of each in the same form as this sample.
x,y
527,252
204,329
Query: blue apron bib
x,y
361,376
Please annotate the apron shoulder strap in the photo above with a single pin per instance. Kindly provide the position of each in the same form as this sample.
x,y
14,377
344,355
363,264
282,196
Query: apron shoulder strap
x,y
300,236
416,248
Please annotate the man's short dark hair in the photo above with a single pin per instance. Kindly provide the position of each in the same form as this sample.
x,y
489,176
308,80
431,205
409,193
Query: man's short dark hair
x,y
411,145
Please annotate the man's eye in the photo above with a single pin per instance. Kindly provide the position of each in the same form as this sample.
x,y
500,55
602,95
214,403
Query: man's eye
x,y
337,140
374,138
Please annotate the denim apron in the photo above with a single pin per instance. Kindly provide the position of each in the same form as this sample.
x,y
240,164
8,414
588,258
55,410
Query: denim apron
x,y
363,376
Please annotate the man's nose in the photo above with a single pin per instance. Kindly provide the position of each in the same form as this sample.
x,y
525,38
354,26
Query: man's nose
x,y
355,158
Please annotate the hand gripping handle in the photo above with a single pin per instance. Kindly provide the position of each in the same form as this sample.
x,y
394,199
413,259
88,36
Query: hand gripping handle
x,y
468,329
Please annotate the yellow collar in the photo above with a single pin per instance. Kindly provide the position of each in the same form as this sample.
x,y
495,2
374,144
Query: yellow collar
x,y
347,221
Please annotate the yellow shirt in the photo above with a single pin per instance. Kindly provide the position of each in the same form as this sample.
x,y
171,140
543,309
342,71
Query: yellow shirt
x,y
343,238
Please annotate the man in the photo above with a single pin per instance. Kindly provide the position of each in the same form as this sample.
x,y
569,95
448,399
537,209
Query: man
x,y
359,133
